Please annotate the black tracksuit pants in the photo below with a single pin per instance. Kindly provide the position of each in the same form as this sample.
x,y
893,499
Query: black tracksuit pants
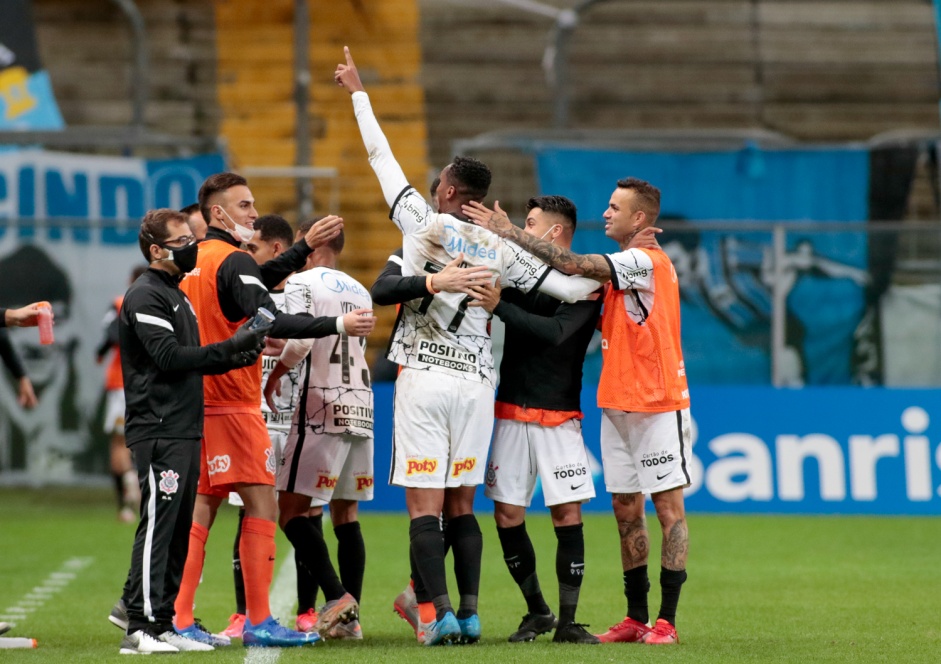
x,y
168,469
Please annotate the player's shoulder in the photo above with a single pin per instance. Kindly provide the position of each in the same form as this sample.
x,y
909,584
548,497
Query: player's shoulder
x,y
301,278
340,281
634,257
330,278
147,291
411,202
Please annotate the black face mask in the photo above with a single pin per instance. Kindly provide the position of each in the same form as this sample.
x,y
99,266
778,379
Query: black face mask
x,y
185,257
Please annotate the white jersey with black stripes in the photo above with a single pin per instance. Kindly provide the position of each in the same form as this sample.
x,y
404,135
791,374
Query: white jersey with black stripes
x,y
290,382
337,397
440,332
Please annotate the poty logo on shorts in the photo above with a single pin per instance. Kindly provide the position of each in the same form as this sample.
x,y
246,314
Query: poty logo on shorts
x,y
326,482
363,483
269,460
219,464
417,466
464,466
168,481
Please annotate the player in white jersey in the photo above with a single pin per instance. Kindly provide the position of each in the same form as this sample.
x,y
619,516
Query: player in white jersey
x,y
444,395
328,457
644,394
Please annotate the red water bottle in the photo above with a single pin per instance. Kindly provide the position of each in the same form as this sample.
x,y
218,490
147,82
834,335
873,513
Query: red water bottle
x,y
46,337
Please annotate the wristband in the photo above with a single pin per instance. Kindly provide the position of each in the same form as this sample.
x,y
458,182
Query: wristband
x,y
429,287
341,329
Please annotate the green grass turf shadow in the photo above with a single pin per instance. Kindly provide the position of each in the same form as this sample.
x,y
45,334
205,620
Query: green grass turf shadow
x,y
761,588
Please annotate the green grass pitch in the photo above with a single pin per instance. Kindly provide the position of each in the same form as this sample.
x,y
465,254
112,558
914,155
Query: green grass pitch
x,y
760,589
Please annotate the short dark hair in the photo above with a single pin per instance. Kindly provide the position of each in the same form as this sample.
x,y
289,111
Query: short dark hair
x,y
647,196
560,205
271,227
216,184
190,209
305,225
153,228
335,245
470,177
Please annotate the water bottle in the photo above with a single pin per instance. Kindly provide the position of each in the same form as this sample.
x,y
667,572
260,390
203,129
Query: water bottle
x,y
16,642
263,318
46,337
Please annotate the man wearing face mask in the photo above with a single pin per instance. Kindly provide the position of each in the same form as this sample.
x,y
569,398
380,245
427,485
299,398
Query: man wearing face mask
x,y
538,430
227,287
163,364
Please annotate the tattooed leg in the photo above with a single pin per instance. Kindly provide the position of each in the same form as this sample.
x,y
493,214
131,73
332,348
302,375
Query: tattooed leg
x,y
672,516
632,529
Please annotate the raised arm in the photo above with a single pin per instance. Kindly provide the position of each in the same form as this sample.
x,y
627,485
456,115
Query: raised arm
x,y
390,174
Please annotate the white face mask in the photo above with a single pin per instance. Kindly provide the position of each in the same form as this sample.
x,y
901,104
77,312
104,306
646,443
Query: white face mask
x,y
543,236
239,232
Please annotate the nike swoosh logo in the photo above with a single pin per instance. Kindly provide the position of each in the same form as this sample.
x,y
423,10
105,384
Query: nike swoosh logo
x,y
176,307
577,565
660,477
574,487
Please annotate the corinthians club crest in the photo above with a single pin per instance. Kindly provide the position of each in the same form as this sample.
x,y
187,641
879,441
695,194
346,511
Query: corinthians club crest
x,y
168,481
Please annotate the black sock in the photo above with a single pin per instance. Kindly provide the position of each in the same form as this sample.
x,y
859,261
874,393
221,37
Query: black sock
x,y
444,529
351,557
520,559
467,543
306,583
427,546
314,555
569,569
421,594
119,489
306,600
671,581
237,568
636,587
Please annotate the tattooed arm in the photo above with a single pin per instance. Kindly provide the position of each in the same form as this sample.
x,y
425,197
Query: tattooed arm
x,y
593,266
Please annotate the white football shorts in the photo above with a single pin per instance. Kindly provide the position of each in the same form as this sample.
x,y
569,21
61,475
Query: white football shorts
x,y
645,452
327,466
521,452
440,430
114,412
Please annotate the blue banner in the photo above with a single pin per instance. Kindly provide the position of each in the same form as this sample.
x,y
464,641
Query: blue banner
x,y
766,450
70,190
26,98
724,277
68,235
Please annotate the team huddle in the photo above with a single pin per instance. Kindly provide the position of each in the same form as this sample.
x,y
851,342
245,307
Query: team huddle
x,y
245,377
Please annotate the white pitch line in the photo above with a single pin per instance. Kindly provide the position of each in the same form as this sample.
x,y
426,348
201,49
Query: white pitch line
x,y
38,596
283,592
